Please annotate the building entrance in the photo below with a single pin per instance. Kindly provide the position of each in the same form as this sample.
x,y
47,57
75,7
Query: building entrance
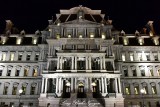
x,y
80,92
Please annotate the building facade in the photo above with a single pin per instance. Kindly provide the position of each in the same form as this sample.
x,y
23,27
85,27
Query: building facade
x,y
80,60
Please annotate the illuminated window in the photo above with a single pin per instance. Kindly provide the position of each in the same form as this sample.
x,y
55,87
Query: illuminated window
x,y
145,89
154,91
125,41
127,90
4,40
123,57
140,56
131,57
20,56
25,72
91,35
3,56
34,72
136,90
33,89
14,90
103,36
34,40
57,35
5,91
69,35
12,56
155,40
151,72
158,71
141,41
19,40
36,56
80,35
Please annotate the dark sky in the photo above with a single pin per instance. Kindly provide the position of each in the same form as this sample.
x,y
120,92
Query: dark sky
x,y
129,15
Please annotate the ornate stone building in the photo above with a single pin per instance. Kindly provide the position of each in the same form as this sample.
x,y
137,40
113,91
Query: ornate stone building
x,y
80,60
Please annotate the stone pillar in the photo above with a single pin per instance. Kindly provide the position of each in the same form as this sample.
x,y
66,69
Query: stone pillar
x,y
116,88
1,88
72,62
57,85
105,86
60,83
90,63
46,85
87,87
101,67
42,88
10,88
75,62
119,83
100,85
28,90
102,82
75,85
58,60
61,63
104,63
90,84
86,63
72,85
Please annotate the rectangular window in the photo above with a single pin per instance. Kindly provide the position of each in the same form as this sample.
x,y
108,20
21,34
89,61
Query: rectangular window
x,y
11,56
147,56
142,72
3,56
136,90
36,57
131,57
151,72
5,90
25,72
35,72
17,72
125,72
145,90
1,72
20,57
8,72
123,57
33,90
24,90
14,91
154,91
134,72
155,55
140,56
28,57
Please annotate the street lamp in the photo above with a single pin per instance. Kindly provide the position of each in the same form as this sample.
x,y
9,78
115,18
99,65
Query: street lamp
x,y
143,91
20,92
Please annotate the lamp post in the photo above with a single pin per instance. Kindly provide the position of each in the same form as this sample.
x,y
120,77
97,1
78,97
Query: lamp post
x,y
20,92
143,91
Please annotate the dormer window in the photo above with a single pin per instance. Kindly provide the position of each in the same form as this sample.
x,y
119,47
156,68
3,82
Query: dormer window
x,y
34,40
80,14
19,40
3,40
140,41
125,40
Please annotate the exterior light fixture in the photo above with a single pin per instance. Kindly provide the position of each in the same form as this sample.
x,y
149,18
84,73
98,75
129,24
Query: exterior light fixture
x,y
68,84
93,84
103,36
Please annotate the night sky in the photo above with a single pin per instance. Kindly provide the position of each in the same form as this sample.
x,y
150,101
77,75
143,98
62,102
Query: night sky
x,y
129,15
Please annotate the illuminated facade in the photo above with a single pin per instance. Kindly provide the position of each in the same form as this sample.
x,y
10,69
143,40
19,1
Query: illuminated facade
x,y
80,60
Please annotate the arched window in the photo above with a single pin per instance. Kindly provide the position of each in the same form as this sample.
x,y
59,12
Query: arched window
x,y
158,70
127,89
33,88
18,69
24,88
145,87
142,70
26,70
6,86
14,89
136,88
1,70
153,88
125,71
9,69
150,70
134,71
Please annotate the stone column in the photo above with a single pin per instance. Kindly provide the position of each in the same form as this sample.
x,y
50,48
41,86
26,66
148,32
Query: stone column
x,y
101,63
10,88
119,83
104,63
116,89
60,83
42,88
61,63
72,62
72,85
57,85
90,63
46,85
105,86
87,87
102,82
86,63
75,85
100,85
90,84
1,88
75,62
58,60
